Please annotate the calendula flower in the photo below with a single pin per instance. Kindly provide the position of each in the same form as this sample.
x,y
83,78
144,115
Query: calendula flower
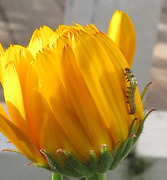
x,y
72,99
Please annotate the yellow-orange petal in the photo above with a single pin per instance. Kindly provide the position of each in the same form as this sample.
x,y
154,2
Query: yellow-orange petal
x,y
121,31
42,132
14,97
1,49
40,39
45,130
1,62
103,82
3,112
139,105
53,90
35,45
18,138
120,65
83,103
10,55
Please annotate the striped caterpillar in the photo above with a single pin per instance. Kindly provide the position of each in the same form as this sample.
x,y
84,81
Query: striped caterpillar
x,y
131,90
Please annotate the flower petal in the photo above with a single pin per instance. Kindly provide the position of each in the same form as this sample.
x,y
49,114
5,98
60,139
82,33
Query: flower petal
x,y
103,82
41,129
10,55
18,138
82,102
107,43
1,63
52,87
14,97
40,39
122,32
1,49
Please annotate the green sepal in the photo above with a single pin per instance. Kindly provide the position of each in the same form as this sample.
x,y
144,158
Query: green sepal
x,y
115,149
118,155
133,128
105,160
78,166
140,130
129,146
148,113
141,125
132,137
65,162
12,150
126,146
144,90
42,166
94,161
57,168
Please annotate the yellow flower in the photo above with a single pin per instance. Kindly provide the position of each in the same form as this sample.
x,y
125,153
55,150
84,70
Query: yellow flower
x,y
68,90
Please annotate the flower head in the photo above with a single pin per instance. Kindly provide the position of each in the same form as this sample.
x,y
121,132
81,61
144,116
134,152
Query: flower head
x,y
68,92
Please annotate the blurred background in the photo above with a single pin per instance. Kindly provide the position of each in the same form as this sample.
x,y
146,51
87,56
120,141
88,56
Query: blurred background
x,y
18,20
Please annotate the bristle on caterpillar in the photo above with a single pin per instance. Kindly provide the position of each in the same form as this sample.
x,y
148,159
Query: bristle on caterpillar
x,y
131,90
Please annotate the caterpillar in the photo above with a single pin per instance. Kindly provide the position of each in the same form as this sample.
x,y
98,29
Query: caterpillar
x,y
131,90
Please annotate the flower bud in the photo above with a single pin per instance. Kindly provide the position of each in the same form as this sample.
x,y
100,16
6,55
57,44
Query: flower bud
x,y
73,102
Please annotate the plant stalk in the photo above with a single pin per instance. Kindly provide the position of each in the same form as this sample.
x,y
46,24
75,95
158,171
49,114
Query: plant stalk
x,y
97,177
56,176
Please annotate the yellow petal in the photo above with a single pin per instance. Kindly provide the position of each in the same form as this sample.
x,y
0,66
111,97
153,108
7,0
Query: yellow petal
x,y
13,97
84,106
41,129
40,39
3,112
10,55
122,32
45,130
23,62
55,93
139,105
1,49
1,62
35,45
103,82
107,43
16,63
18,138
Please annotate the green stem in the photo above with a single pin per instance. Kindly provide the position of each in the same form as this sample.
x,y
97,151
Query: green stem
x,y
97,177
56,176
